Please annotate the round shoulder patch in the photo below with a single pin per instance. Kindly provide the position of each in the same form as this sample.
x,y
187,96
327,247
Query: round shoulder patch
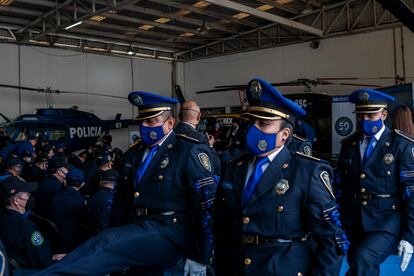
x,y
37,238
205,161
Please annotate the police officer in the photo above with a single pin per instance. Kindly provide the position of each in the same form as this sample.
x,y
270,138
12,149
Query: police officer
x,y
104,162
271,200
190,115
13,167
22,240
173,195
60,150
49,186
49,150
37,171
99,207
66,210
376,182
78,160
28,145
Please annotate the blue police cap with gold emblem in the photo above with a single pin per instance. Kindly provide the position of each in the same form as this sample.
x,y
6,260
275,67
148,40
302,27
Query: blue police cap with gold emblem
x,y
265,102
369,100
150,104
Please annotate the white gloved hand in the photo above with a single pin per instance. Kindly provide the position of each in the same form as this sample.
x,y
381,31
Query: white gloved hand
x,y
193,268
405,249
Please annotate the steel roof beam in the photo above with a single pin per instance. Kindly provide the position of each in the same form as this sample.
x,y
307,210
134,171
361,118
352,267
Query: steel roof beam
x,y
265,15
205,12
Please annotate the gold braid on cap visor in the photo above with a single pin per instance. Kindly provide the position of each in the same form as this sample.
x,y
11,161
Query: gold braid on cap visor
x,y
148,110
267,110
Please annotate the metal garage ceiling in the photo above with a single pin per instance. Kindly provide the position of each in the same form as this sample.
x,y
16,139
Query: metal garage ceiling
x,y
183,29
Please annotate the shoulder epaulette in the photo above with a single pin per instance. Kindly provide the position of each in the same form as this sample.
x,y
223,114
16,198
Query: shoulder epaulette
x,y
310,157
299,137
189,138
404,135
349,137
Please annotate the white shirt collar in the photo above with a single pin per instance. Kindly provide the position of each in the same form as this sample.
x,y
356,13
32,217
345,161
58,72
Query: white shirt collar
x,y
273,154
164,138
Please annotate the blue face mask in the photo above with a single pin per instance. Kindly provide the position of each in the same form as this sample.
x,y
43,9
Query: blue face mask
x,y
258,142
370,128
151,135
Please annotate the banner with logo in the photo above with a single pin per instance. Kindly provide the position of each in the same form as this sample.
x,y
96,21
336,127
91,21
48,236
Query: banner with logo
x,y
343,122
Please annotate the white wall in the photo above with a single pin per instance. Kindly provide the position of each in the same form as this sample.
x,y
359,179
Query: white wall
x,y
366,55
80,72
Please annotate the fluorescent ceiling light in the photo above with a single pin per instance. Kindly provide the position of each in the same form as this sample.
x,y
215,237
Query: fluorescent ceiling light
x,y
130,51
73,25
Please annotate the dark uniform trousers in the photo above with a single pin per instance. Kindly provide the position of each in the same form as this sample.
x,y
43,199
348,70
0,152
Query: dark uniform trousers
x,y
376,199
173,215
270,234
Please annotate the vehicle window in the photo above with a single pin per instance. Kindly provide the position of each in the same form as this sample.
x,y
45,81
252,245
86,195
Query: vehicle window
x,y
56,134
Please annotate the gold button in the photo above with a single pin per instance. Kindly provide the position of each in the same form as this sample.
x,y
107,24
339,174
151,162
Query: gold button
x,y
160,177
388,173
136,194
363,190
247,261
364,203
174,220
280,209
239,163
394,207
362,176
285,165
300,274
246,220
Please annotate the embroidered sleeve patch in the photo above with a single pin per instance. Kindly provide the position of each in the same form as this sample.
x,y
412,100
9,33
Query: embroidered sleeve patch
x,y
205,161
307,150
327,182
37,238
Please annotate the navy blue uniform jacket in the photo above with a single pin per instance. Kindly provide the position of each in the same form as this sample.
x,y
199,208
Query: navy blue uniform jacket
x,y
388,171
179,179
305,205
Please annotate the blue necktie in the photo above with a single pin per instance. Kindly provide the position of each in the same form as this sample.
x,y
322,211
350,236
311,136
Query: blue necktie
x,y
141,170
369,149
254,179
